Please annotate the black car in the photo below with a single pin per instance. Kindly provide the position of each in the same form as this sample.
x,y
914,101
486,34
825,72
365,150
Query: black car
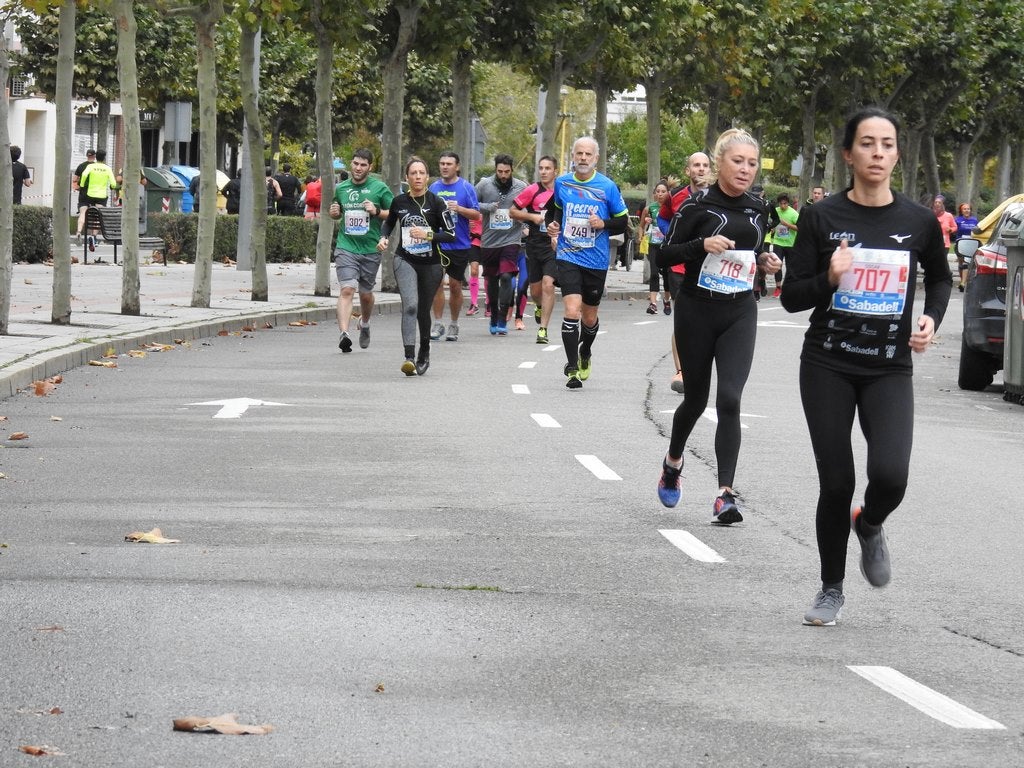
x,y
981,349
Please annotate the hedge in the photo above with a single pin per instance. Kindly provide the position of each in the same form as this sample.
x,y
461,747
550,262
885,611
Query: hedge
x,y
33,233
289,238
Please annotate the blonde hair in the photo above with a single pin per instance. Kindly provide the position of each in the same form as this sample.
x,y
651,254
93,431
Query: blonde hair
x,y
727,139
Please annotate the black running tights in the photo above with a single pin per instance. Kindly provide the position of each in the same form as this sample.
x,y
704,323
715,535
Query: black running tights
x,y
722,333
884,405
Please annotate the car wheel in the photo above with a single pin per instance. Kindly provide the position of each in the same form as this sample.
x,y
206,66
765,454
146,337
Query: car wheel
x,y
975,369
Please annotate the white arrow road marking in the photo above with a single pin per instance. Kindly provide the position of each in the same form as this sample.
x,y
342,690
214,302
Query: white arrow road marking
x,y
234,408
693,546
598,467
528,364
545,420
520,389
923,698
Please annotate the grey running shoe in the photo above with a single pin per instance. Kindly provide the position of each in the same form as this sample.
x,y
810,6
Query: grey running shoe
x,y
825,610
725,511
438,331
345,343
364,336
453,332
874,554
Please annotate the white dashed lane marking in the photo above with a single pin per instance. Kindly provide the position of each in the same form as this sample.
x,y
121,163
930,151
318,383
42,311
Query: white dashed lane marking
x,y
552,348
693,546
598,467
923,698
712,415
528,364
520,389
646,322
545,421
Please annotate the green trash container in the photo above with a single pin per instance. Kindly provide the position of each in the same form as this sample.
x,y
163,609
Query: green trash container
x,y
163,191
1012,234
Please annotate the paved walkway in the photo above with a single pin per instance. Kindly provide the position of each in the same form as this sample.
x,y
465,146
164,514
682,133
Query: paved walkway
x,y
36,349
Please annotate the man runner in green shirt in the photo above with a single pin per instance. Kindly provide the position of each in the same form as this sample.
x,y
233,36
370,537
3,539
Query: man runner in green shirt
x,y
362,203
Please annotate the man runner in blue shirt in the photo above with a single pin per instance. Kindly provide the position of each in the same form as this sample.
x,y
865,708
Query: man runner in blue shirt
x,y
584,210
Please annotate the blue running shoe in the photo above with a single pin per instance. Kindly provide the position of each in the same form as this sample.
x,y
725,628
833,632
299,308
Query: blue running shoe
x,y
668,485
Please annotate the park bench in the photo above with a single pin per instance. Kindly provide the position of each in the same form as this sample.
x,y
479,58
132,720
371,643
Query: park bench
x,y
107,219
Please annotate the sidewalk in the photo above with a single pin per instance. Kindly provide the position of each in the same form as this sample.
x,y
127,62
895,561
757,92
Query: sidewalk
x,y
36,349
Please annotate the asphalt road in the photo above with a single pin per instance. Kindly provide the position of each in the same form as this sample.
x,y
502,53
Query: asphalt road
x,y
433,572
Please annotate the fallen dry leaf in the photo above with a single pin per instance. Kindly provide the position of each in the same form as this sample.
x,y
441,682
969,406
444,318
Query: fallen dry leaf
x,y
28,282
56,418
248,328
267,325
51,711
3,418
136,353
58,379
180,341
43,388
18,436
379,688
154,536
222,332
110,352
54,628
301,322
103,363
28,749
157,347
227,724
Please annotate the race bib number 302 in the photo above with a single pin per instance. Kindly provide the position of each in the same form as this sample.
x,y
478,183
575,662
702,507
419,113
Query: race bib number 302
x,y
728,271
876,285
357,221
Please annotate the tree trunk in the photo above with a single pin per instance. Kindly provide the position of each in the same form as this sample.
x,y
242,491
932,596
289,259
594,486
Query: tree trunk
x,y
654,86
977,175
395,68
602,93
910,154
462,90
6,199
324,150
809,144
206,19
103,127
1003,170
60,311
553,113
713,106
251,108
931,161
127,77
834,176
1018,169
962,176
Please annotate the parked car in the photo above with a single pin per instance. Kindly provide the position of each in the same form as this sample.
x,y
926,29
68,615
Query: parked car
x,y
981,347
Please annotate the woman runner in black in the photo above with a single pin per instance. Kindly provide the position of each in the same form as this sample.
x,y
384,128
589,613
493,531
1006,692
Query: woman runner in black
x,y
423,221
719,234
855,264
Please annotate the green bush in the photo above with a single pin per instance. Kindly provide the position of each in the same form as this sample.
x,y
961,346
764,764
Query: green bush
x,y
33,233
289,238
